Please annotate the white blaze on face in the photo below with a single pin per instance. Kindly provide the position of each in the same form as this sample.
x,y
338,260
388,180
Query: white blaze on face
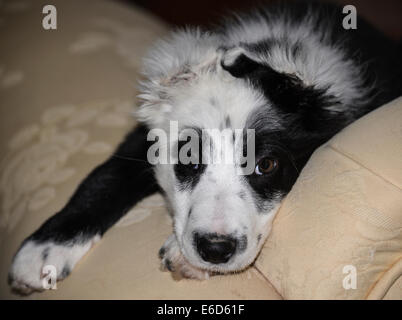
x,y
222,203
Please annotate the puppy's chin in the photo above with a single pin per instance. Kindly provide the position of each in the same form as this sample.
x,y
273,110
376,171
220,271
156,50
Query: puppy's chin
x,y
226,268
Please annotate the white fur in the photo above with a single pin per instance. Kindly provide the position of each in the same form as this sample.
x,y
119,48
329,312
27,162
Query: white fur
x,y
26,273
192,55
174,260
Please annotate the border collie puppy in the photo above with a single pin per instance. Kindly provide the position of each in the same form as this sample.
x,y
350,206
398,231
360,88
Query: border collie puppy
x,y
290,73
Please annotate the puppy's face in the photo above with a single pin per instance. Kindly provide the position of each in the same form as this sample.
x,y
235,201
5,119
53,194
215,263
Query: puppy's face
x,y
222,213
225,196
223,210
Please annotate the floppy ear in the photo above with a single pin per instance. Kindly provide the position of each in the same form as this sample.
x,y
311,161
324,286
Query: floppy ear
x,y
171,65
287,92
156,96
237,63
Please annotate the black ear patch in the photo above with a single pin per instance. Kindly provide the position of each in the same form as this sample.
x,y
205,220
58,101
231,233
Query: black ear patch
x,y
242,66
287,92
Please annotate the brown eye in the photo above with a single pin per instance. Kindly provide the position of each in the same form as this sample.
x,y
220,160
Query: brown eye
x,y
265,165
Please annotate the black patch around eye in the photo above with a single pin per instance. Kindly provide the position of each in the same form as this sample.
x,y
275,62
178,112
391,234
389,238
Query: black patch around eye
x,y
189,174
267,187
280,181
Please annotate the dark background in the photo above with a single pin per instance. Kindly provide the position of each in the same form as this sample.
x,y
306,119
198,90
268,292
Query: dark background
x,y
385,14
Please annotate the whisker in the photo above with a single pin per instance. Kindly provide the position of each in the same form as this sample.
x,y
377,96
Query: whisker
x,y
128,158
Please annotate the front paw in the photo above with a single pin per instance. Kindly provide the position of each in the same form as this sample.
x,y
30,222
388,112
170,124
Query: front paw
x,y
173,260
38,265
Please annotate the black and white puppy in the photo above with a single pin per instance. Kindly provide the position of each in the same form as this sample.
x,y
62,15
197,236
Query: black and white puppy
x,y
290,72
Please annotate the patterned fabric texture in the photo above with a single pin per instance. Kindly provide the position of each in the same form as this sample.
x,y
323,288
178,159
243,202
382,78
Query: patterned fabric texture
x,y
66,100
345,211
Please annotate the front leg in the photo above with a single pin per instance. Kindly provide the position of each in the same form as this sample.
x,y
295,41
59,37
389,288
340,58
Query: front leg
x,y
173,260
100,201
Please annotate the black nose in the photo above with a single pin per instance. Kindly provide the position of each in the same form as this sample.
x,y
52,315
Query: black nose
x,y
215,248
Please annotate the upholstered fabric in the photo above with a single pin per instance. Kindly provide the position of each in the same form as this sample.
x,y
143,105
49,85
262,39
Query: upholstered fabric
x,y
66,98
344,210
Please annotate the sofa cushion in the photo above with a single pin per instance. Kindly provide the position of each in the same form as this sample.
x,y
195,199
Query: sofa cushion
x,y
344,214
67,97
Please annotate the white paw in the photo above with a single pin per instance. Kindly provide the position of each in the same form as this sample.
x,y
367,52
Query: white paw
x,y
173,260
37,266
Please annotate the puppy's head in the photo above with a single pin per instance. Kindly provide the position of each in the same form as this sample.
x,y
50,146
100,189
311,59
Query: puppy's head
x,y
202,101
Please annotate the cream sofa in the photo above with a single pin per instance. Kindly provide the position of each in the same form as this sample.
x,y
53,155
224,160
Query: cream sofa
x,y
66,98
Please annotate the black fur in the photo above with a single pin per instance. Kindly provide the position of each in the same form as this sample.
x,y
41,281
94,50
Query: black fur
x,y
287,93
303,108
105,195
189,174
